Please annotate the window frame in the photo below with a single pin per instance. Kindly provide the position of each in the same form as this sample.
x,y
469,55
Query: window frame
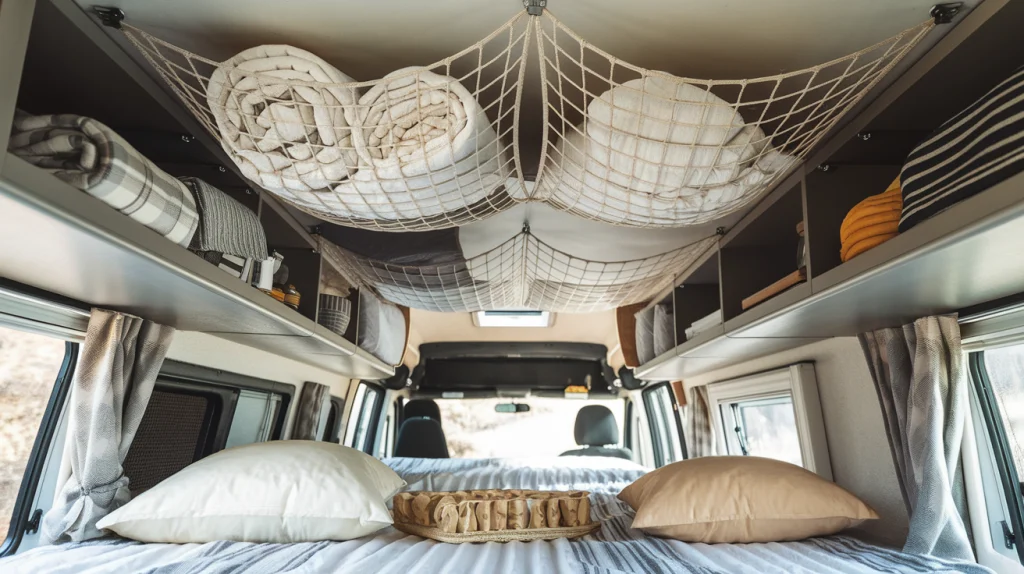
x,y
1011,495
333,431
206,379
359,404
655,413
23,519
800,382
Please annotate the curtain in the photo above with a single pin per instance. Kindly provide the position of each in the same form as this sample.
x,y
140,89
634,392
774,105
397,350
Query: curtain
x,y
700,434
114,379
921,381
311,409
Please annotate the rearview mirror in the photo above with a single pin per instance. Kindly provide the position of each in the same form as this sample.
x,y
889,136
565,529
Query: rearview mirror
x,y
511,408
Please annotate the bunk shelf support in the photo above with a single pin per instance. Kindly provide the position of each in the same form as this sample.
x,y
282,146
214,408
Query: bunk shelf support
x,y
535,7
944,13
109,16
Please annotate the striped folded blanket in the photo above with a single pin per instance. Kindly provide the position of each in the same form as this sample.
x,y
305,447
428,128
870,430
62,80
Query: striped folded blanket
x,y
225,225
976,149
90,156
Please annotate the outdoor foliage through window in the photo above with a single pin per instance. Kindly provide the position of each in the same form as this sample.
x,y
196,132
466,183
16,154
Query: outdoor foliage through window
x,y
29,365
1005,367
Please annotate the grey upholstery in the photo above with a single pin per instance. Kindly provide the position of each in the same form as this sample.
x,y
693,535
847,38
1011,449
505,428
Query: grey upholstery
x,y
422,408
596,428
421,437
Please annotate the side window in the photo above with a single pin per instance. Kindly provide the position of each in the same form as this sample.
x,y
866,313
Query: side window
x,y
363,419
998,376
179,427
35,378
666,429
334,420
627,432
763,427
257,418
774,415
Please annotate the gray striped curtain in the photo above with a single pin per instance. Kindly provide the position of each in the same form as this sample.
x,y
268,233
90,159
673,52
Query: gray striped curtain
x,y
310,411
700,435
921,381
114,379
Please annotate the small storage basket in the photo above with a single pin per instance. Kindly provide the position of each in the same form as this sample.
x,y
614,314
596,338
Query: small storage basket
x,y
334,313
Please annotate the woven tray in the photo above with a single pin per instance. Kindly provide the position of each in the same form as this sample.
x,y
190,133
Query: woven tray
x,y
494,515
435,533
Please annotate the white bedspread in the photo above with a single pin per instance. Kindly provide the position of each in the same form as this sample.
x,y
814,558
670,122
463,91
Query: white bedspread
x,y
614,549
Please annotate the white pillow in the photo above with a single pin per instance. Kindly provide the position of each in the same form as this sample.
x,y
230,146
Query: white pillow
x,y
279,491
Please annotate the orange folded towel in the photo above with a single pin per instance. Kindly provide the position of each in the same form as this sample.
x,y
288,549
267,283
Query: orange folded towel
x,y
871,222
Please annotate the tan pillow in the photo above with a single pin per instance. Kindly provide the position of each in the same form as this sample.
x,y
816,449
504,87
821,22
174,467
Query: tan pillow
x,y
740,499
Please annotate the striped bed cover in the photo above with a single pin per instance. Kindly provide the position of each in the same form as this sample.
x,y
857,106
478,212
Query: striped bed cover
x,y
613,549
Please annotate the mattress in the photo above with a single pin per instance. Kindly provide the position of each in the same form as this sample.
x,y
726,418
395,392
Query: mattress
x,y
615,548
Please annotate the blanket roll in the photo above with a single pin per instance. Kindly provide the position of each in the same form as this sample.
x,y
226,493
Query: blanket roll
x,y
281,115
92,157
425,147
655,151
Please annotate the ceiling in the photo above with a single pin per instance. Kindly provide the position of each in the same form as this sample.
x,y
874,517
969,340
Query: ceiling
x,y
696,38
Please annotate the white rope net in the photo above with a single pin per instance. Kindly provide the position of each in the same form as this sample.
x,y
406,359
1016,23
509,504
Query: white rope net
x,y
638,147
438,146
422,148
521,273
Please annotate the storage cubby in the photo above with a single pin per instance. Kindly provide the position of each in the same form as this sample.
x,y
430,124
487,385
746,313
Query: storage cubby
x,y
761,251
830,196
697,296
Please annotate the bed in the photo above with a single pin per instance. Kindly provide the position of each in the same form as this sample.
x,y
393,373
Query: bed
x,y
615,548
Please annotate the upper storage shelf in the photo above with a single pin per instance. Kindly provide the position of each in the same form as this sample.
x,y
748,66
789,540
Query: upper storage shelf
x,y
67,242
968,255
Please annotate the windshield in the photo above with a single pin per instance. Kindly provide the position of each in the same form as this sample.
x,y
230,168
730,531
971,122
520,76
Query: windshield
x,y
474,430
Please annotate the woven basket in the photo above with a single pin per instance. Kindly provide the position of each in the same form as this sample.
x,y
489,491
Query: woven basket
x,y
334,313
494,515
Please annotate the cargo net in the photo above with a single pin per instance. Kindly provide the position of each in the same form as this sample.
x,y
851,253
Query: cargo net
x,y
637,147
438,146
521,273
422,148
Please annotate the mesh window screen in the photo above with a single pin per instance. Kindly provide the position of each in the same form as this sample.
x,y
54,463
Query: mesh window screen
x,y
167,438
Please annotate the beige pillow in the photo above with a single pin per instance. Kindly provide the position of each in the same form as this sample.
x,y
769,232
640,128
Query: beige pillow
x,y
279,491
740,499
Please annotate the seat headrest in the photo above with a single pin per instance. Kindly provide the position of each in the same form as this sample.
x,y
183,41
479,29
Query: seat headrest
x,y
595,426
421,437
422,408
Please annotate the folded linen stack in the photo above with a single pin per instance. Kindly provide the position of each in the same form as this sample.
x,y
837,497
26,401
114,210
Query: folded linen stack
x,y
229,234
703,324
415,145
871,222
92,157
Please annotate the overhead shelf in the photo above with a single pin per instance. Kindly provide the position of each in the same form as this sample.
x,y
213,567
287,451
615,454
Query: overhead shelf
x,y
67,242
967,255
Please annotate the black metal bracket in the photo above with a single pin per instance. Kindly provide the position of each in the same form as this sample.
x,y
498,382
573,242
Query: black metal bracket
x,y
944,13
535,7
720,230
109,17
825,167
32,526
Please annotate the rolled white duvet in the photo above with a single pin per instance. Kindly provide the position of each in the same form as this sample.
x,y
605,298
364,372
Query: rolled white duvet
x,y
280,111
654,151
425,148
